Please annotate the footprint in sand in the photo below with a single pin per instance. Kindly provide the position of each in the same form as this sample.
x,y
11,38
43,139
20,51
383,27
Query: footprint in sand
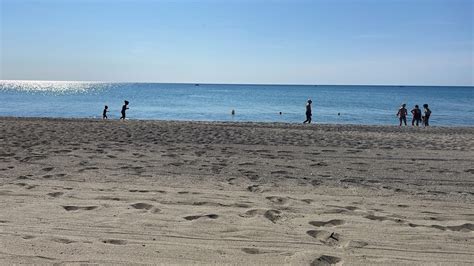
x,y
142,206
353,151
251,175
383,218
252,251
325,237
108,198
139,191
351,208
63,240
145,206
272,215
194,217
319,234
319,164
252,213
325,260
467,227
254,188
277,200
31,186
471,171
334,222
55,194
355,244
279,172
77,208
247,164
114,241
328,150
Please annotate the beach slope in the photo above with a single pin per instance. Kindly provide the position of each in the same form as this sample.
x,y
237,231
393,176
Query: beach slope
x,y
108,192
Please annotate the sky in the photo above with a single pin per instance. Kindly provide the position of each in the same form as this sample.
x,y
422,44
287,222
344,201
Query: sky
x,y
384,42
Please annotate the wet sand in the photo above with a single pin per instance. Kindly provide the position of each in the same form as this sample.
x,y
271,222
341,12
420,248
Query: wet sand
x,y
108,192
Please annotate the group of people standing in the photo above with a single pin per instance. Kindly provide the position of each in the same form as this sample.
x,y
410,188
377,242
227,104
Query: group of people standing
x,y
419,116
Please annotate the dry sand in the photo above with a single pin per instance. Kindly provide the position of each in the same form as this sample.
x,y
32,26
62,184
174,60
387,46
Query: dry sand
x,y
108,192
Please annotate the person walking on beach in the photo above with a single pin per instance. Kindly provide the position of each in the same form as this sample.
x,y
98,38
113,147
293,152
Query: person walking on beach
x,y
426,117
308,112
124,108
104,113
402,114
416,112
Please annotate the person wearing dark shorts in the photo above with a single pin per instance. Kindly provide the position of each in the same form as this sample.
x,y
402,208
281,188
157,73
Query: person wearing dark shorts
x,y
426,117
416,112
124,108
402,114
308,112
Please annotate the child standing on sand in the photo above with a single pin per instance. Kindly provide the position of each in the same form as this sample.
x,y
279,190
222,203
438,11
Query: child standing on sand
x,y
104,113
124,107
402,114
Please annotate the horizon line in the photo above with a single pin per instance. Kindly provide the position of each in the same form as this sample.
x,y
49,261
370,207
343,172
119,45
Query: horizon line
x,y
249,84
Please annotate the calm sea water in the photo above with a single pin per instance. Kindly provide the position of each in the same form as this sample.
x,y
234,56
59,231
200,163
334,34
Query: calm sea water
x,y
371,105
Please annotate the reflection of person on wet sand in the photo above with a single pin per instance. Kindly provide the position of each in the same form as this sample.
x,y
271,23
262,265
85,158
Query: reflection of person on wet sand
x,y
308,112
124,108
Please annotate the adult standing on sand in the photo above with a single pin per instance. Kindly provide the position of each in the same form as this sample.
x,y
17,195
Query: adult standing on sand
x,y
416,112
402,114
308,112
124,108
426,117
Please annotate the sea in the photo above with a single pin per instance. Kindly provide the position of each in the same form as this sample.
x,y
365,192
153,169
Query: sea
x,y
332,104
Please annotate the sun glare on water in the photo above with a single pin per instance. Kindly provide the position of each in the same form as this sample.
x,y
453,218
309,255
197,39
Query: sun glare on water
x,y
57,87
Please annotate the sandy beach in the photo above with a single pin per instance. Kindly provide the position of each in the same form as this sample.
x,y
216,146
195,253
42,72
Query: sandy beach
x,y
108,192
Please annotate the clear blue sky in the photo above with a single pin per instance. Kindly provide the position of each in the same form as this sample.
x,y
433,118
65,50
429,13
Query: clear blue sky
x,y
418,42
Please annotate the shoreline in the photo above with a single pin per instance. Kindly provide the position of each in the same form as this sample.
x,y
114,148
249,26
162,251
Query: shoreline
x,y
108,192
236,123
